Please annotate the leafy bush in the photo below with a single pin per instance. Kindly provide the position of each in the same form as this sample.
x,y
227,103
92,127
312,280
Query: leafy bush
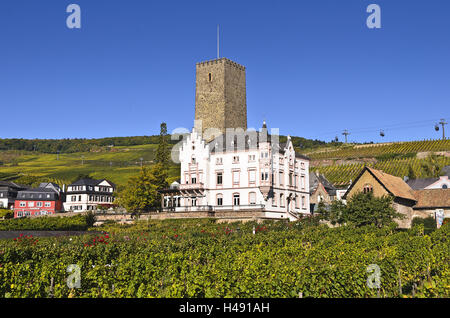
x,y
90,218
7,214
429,224
74,223
361,209
201,258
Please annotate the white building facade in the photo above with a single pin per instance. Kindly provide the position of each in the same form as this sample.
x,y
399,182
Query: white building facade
x,y
239,172
88,194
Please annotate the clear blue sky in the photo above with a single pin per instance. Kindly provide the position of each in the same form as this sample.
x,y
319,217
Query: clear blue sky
x,y
313,66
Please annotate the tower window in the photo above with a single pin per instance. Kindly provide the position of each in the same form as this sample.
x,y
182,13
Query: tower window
x,y
209,77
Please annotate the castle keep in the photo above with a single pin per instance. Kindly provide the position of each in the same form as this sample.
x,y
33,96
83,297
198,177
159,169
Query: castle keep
x,y
220,97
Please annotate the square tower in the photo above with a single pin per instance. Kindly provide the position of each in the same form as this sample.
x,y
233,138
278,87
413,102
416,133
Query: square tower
x,y
220,95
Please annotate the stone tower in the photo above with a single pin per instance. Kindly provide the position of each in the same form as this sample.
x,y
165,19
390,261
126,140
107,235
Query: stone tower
x,y
220,95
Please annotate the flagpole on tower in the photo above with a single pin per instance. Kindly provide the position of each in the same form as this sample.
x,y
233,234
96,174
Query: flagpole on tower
x,y
218,55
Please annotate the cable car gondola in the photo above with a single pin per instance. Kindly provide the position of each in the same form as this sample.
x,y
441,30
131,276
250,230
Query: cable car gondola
x,y
436,127
381,133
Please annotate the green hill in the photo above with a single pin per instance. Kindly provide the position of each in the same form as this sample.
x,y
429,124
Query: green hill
x,y
342,164
116,164
119,158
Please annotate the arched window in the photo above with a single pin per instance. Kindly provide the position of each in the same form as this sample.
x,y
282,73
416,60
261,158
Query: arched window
x,y
210,77
236,199
219,199
367,188
444,186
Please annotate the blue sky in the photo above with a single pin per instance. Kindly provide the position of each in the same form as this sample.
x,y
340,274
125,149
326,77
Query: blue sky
x,y
313,67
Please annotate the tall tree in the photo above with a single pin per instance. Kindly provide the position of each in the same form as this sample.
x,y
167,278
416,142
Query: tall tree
x,y
162,152
361,209
411,173
141,193
431,167
364,209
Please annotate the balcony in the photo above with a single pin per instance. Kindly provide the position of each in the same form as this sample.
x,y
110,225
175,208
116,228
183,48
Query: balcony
x,y
192,188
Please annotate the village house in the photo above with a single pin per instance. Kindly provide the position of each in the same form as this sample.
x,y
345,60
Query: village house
x,y
407,201
8,194
89,194
44,200
320,190
442,182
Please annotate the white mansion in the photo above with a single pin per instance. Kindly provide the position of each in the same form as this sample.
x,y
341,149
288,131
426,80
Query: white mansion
x,y
241,172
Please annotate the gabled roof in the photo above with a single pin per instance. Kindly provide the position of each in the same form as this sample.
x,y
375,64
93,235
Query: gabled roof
x,y
90,182
316,179
247,140
432,198
49,185
418,184
393,185
12,185
239,141
445,171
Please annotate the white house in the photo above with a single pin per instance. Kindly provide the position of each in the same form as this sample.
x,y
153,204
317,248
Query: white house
x,y
443,182
241,172
89,194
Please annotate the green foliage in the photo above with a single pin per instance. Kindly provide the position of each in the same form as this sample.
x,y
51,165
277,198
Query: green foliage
x,y
361,209
341,174
81,176
429,224
201,258
366,209
141,193
431,167
162,152
411,172
390,150
303,143
6,213
35,181
90,218
74,223
335,213
73,145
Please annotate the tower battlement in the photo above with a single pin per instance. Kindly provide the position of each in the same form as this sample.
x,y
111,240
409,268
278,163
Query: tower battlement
x,y
221,60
